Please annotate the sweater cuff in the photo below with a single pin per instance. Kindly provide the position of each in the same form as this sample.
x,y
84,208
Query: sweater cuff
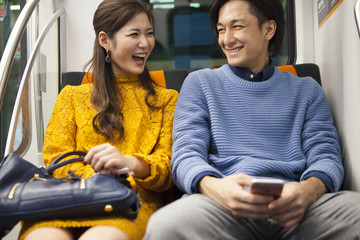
x,y
324,178
194,184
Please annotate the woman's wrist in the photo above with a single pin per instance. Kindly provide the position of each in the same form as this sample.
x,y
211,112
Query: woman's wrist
x,y
139,167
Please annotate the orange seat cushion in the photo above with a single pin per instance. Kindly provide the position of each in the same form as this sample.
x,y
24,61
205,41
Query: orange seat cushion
x,y
288,68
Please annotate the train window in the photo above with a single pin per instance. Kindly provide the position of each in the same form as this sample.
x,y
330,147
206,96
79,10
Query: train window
x,y
9,12
184,39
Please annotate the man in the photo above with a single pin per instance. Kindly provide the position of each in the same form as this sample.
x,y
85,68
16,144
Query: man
x,y
249,120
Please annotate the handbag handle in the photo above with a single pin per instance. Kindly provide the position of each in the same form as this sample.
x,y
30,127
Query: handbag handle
x,y
55,164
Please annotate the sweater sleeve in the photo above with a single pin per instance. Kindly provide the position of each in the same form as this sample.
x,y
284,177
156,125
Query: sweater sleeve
x,y
320,143
159,160
60,134
191,135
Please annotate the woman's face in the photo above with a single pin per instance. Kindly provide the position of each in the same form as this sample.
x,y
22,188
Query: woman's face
x,y
131,46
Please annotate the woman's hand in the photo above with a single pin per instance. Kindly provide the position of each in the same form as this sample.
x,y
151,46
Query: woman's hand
x,y
107,159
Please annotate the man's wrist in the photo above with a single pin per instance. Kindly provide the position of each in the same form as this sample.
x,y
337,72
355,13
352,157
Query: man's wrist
x,y
314,188
205,184
196,181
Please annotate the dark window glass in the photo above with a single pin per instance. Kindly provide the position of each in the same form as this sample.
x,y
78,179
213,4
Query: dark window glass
x,y
9,12
184,39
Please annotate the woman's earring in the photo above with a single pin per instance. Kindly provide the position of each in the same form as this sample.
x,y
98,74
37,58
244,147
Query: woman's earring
x,y
107,58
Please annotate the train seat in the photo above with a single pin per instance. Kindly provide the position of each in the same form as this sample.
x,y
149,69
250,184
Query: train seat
x,y
174,78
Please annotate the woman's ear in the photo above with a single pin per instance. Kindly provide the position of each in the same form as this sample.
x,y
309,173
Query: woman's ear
x,y
104,40
270,28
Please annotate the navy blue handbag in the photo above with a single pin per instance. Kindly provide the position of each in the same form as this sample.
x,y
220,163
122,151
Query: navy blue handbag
x,y
28,192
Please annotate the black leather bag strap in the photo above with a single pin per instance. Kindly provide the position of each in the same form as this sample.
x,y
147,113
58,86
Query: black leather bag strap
x,y
134,211
64,155
57,164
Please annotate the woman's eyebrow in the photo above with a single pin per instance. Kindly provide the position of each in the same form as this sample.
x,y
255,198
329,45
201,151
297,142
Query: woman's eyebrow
x,y
138,29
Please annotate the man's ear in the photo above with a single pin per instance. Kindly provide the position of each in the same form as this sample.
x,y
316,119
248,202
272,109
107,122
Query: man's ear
x,y
104,40
270,29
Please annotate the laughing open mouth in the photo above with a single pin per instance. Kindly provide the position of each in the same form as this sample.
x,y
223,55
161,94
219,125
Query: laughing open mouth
x,y
139,57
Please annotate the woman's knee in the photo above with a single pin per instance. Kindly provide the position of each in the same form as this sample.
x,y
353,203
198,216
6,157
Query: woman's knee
x,y
106,232
49,233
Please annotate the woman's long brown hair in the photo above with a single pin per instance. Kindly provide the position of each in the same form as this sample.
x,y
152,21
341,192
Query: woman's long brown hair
x,y
111,16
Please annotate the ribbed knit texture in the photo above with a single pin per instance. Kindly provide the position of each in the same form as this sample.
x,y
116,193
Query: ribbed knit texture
x,y
280,128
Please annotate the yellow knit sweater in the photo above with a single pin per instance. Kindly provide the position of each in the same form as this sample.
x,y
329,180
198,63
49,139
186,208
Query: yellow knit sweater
x,y
147,136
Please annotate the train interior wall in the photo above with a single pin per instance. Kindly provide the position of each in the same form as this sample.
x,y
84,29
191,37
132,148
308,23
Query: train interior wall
x,y
337,53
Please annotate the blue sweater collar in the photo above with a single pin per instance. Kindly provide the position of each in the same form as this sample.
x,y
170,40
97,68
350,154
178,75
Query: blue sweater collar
x,y
248,75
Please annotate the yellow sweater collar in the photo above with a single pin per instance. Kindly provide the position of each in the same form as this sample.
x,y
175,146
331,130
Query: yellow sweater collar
x,y
126,79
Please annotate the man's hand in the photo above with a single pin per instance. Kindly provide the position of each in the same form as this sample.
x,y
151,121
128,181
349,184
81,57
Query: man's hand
x,y
229,192
287,210
295,199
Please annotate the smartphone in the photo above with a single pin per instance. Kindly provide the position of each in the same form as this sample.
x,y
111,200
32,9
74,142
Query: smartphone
x,y
268,187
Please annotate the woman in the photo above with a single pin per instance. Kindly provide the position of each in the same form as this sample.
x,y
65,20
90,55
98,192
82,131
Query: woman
x,y
122,120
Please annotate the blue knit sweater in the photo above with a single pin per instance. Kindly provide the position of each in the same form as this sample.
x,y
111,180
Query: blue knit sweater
x,y
279,128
